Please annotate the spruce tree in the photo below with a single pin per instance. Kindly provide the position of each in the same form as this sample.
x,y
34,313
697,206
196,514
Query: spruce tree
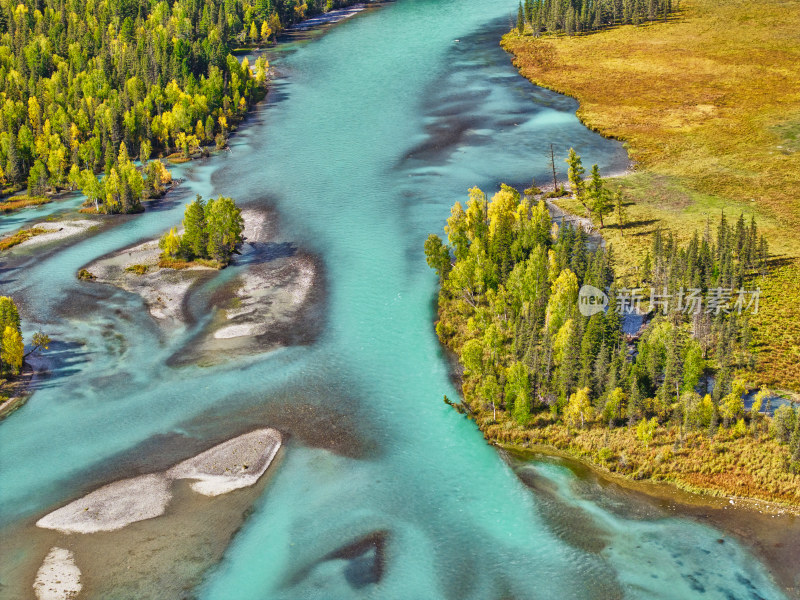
x,y
195,236
575,173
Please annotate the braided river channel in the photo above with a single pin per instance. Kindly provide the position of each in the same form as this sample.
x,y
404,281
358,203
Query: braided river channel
x,y
372,129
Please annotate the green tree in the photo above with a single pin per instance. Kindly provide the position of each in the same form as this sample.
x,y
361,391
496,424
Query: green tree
x,y
520,19
438,256
612,410
170,243
518,392
195,229
645,430
9,314
563,300
225,227
579,409
783,423
693,367
37,179
599,202
575,172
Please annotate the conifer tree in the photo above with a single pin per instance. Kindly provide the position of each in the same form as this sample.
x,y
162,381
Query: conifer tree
x,y
575,173
599,203
195,234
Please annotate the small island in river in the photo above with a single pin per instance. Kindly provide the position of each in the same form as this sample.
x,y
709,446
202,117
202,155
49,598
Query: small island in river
x,y
273,300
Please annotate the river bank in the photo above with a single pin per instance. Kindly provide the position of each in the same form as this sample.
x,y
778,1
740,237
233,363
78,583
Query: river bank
x,y
16,392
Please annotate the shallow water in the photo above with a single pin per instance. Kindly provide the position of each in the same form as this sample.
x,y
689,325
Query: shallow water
x,y
369,135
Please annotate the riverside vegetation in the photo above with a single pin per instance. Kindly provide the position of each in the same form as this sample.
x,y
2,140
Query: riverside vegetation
x,y
12,346
537,371
565,16
708,108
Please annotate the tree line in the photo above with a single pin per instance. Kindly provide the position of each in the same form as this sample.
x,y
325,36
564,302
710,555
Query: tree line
x,y
508,306
583,16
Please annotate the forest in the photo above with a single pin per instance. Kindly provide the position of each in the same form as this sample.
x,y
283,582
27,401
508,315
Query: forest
x,y
509,308
91,87
582,16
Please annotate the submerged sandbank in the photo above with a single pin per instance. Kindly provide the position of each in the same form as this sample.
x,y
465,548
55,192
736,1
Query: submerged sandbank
x,y
162,557
771,531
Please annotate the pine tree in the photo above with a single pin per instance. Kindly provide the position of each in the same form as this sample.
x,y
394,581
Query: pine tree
x,y
598,196
795,441
9,314
634,402
195,235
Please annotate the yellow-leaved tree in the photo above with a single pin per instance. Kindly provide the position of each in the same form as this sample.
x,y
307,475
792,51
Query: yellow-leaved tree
x,y
579,409
12,350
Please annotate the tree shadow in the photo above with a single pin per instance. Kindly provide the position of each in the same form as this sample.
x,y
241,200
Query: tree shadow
x,y
60,360
634,224
775,262
266,252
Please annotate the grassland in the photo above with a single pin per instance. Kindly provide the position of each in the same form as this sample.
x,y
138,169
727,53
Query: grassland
x,y
708,105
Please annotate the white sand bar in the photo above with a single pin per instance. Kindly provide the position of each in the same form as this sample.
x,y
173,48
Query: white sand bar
x,y
58,230
58,578
234,464
112,506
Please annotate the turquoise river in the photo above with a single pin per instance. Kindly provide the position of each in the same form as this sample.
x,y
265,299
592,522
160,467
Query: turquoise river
x,y
371,131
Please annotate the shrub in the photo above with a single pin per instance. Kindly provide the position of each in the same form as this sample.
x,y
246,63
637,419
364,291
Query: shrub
x,y
138,269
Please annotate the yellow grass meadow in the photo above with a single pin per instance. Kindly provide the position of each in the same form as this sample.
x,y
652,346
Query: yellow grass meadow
x,y
708,106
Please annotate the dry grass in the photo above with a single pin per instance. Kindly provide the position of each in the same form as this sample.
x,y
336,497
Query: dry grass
x,y
22,235
174,263
711,98
14,203
725,465
708,106
138,269
777,329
